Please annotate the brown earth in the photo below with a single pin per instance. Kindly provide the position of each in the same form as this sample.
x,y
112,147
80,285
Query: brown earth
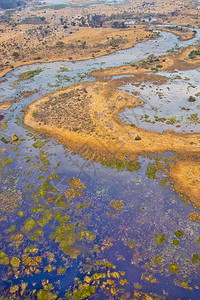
x,y
5,105
185,174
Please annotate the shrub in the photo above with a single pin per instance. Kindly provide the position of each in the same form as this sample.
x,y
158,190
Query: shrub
x,y
192,99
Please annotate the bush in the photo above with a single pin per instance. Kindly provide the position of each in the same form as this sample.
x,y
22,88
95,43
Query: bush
x,y
192,99
15,54
137,138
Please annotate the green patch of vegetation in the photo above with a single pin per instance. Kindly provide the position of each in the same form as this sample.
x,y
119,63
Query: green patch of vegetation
x,y
46,295
173,268
65,236
63,69
4,162
195,258
138,138
34,113
46,218
61,203
38,144
192,99
172,121
61,271
127,165
193,54
151,171
11,229
175,242
194,118
28,75
29,225
159,239
15,262
45,160
117,204
46,186
84,291
179,233
4,260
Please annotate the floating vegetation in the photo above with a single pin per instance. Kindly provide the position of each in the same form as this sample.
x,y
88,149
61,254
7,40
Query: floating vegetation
x,y
28,75
29,225
127,165
76,184
9,201
179,233
194,118
66,237
4,162
195,258
38,144
4,260
117,204
46,218
194,217
159,239
173,268
175,242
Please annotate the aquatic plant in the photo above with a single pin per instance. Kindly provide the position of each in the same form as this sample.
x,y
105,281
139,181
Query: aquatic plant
x,y
159,239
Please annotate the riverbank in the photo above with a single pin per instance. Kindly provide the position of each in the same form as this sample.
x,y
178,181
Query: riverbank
x,y
87,43
170,62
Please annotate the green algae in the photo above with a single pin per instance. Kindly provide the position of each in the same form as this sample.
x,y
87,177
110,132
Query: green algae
x,y
46,186
88,235
45,160
117,204
151,171
29,225
53,176
29,74
127,165
4,259
38,144
4,162
65,236
175,242
15,262
11,229
37,233
61,203
20,213
159,239
195,258
46,218
46,295
84,291
179,233
36,210
61,218
17,239
173,268
61,271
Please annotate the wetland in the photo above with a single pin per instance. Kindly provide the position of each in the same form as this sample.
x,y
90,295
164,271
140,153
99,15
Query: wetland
x,y
100,154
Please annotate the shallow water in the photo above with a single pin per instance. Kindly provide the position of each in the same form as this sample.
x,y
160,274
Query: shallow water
x,y
134,234
168,100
